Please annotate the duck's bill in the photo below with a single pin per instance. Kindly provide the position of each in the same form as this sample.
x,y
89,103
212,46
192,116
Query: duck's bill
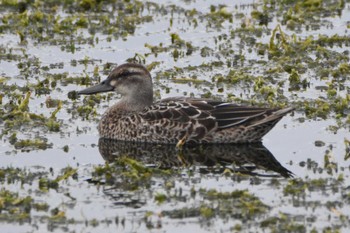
x,y
99,88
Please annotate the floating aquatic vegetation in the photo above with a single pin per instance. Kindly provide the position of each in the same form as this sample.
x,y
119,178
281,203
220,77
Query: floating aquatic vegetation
x,y
13,207
20,117
287,53
347,149
29,144
282,223
128,173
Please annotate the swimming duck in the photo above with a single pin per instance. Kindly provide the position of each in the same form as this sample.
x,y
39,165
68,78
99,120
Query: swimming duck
x,y
177,120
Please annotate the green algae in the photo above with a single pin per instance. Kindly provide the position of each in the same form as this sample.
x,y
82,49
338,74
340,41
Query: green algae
x,y
57,215
128,173
22,206
237,204
160,198
219,15
298,187
13,207
287,62
41,16
185,212
29,144
241,200
45,184
282,223
206,212
66,173
19,116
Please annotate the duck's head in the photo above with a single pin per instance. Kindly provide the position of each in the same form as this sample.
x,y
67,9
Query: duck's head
x,y
132,81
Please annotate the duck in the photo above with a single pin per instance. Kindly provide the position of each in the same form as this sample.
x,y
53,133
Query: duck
x,y
136,117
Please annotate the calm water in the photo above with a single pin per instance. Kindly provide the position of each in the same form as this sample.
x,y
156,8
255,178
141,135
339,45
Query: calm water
x,y
291,143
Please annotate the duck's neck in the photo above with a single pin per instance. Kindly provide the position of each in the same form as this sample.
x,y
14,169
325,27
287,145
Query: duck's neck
x,y
134,103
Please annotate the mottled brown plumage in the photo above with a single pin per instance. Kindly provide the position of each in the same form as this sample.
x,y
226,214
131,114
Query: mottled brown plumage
x,y
186,120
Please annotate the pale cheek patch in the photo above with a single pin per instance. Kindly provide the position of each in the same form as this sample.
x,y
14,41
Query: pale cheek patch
x,y
113,83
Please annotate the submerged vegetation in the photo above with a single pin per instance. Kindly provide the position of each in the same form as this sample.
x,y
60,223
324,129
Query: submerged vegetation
x,y
264,53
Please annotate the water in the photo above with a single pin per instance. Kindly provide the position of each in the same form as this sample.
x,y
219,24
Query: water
x,y
109,207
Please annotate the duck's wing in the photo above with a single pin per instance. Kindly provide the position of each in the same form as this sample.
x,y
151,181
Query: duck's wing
x,y
230,115
181,118
211,114
179,110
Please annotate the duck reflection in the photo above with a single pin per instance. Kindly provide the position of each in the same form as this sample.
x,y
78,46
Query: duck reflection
x,y
252,159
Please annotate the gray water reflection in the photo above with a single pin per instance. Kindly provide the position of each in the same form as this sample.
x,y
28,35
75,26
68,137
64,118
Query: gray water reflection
x,y
250,159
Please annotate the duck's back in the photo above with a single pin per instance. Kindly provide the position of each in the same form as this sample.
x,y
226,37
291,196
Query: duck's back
x,y
192,120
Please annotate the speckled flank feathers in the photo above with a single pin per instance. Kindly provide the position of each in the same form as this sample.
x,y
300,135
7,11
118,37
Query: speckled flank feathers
x,y
136,118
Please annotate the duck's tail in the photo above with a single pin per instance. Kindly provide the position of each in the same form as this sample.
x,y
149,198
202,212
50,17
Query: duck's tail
x,y
273,117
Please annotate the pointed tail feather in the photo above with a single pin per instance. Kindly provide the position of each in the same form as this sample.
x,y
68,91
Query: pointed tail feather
x,y
275,116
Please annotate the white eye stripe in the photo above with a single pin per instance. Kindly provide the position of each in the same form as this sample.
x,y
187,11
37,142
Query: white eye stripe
x,y
131,70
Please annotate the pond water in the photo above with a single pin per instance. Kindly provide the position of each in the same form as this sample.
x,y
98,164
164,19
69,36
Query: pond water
x,y
56,175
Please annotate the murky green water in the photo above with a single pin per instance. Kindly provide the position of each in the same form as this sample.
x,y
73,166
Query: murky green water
x,y
271,53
